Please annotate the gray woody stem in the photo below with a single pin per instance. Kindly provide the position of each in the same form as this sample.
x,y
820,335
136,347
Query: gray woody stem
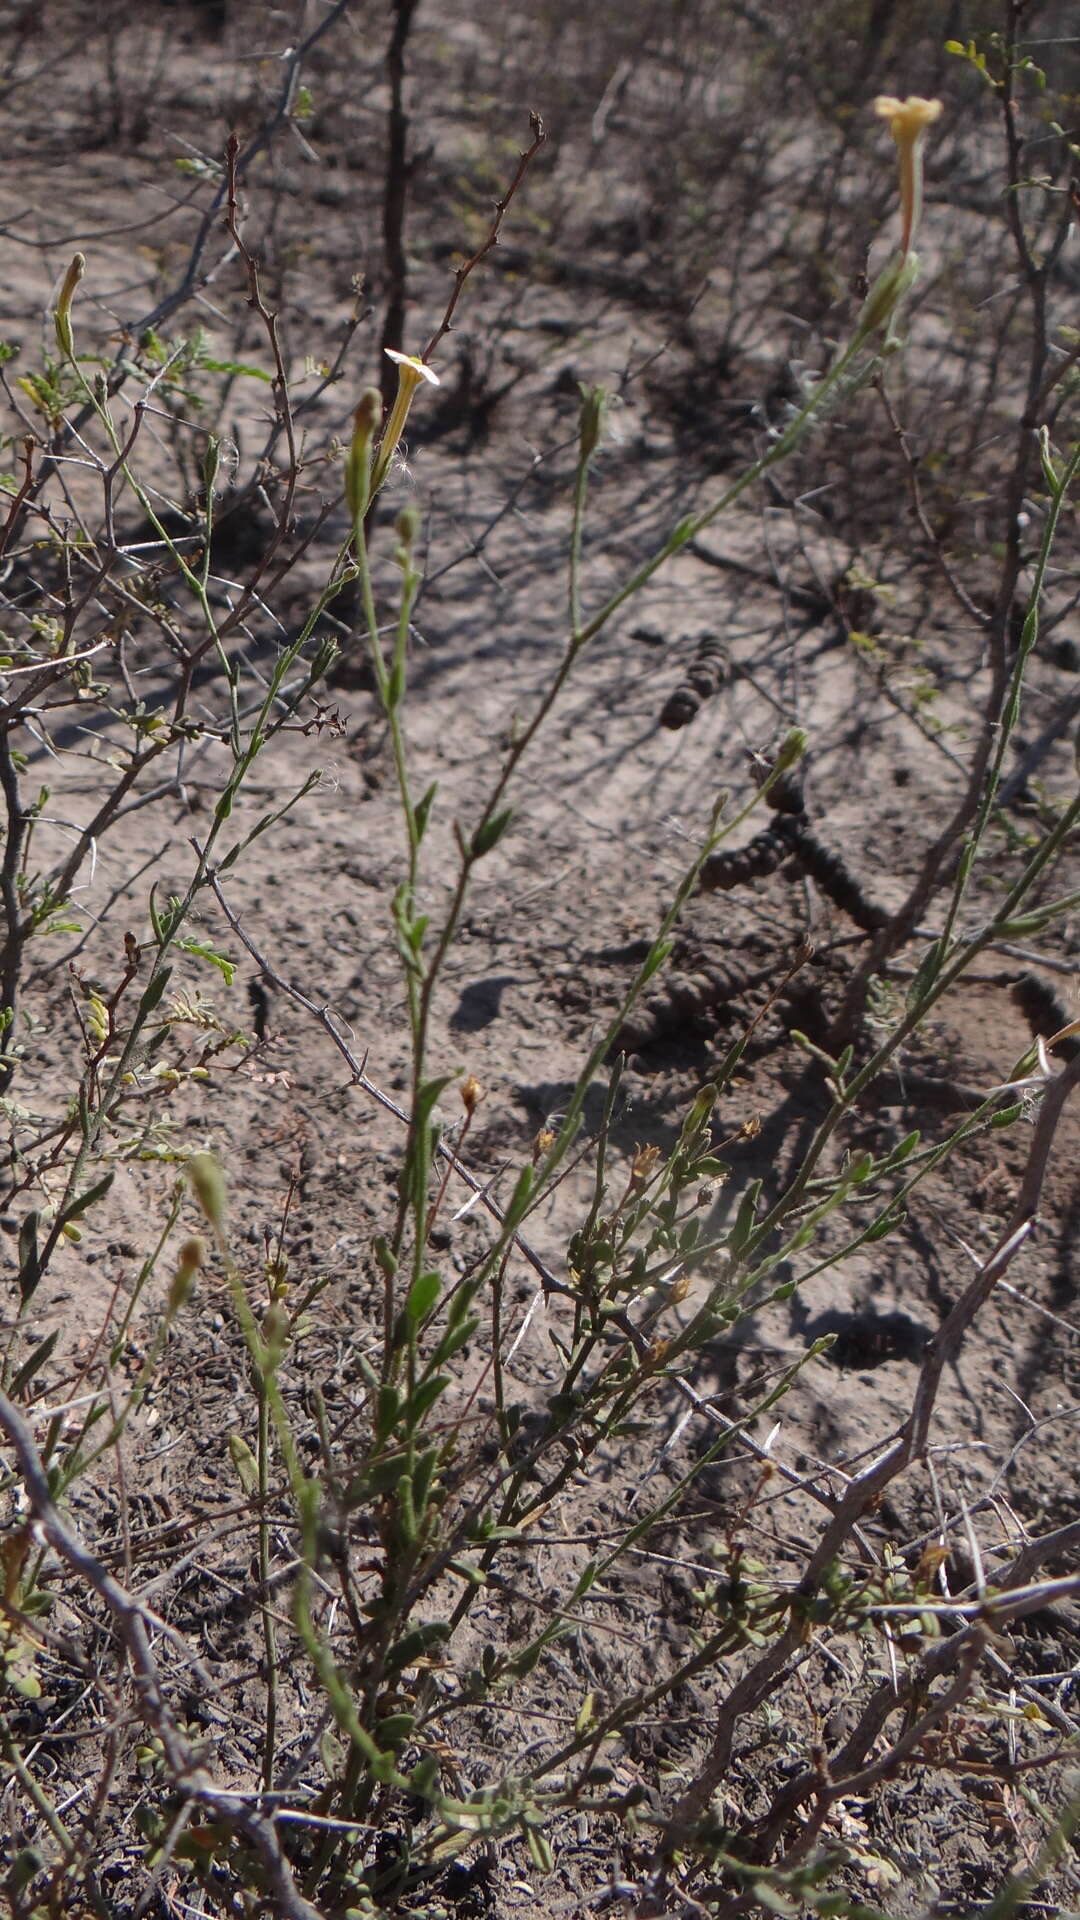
x,y
186,1767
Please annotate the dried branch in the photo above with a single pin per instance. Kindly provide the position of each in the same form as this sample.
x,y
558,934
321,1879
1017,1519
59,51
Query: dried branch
x,y
462,273
186,1766
867,1487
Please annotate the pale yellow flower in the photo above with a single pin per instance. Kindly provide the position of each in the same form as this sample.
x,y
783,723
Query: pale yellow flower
x,y
908,122
907,118
412,371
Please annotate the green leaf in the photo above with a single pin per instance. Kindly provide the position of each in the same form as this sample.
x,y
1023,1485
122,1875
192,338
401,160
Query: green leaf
x,y
926,973
430,1092
885,1223
33,1362
236,367
204,951
421,1402
84,1201
422,1297
422,810
586,1579
153,994
539,1851
424,1778
423,1477
468,1571
387,1409
19,1669
490,833
27,1864
710,1168
903,1152
523,1187
395,1729
247,1467
775,1901
421,1641
456,1338
661,952
744,1219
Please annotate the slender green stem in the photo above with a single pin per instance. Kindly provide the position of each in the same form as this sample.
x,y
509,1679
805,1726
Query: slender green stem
x,y
269,1630
581,491
1010,714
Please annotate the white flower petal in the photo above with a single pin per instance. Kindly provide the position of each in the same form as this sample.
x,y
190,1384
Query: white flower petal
x,y
418,366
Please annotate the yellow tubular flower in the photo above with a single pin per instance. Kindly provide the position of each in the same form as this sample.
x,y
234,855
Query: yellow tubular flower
x,y
908,121
411,371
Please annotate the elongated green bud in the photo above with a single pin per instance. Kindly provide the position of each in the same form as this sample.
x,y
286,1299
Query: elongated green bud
x,y
247,1467
887,292
358,459
591,419
64,337
792,748
407,528
208,1186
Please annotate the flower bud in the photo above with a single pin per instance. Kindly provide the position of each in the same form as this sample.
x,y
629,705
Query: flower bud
x,y
358,459
591,419
208,1186
407,526
62,317
192,1257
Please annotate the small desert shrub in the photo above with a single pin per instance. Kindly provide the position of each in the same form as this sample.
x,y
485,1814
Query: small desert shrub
x,y
148,553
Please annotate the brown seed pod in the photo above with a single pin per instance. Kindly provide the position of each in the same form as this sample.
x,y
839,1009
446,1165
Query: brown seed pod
x,y
1044,1012
761,856
706,674
684,1000
835,879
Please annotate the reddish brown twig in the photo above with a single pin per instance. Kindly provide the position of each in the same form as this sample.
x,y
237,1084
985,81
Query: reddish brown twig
x,y
24,489
539,133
